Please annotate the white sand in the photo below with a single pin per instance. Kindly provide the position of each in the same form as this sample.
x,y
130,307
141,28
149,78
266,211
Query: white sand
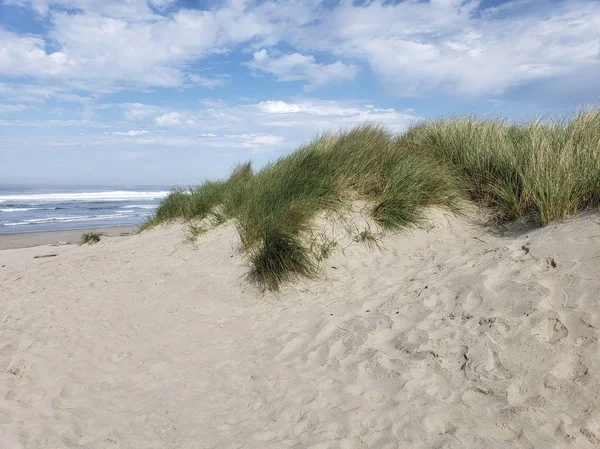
x,y
452,338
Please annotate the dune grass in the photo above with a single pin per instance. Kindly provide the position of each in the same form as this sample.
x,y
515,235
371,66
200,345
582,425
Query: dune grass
x,y
543,171
90,238
546,171
200,202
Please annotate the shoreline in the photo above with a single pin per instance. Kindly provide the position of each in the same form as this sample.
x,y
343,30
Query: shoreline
x,y
71,236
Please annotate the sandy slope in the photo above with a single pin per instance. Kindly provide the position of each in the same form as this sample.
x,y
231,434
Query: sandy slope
x,y
452,338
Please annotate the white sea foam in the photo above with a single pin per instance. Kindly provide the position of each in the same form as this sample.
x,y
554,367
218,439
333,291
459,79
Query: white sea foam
x,y
141,206
68,219
22,209
86,196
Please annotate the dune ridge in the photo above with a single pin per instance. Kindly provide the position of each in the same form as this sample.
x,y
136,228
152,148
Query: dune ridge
x,y
540,171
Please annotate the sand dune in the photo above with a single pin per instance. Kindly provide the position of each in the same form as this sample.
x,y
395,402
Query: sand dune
x,y
449,338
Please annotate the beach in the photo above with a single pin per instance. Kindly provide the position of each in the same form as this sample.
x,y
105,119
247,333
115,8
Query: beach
x,y
287,224
56,238
450,336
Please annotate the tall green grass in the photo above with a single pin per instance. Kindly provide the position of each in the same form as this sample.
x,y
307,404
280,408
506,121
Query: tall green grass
x,y
545,171
200,202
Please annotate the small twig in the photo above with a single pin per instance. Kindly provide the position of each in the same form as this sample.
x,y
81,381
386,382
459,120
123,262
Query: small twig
x,y
421,291
45,255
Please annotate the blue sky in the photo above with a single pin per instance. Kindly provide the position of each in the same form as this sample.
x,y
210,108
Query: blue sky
x,y
173,92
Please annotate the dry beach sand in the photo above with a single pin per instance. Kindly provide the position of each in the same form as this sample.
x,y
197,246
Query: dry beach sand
x,y
450,337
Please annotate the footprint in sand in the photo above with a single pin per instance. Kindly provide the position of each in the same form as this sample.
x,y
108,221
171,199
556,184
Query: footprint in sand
x,y
473,301
435,424
18,369
549,330
484,364
570,367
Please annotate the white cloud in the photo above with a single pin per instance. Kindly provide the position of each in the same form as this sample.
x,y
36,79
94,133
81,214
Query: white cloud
x,y
167,141
415,48
258,142
38,93
298,67
25,55
315,107
213,103
139,111
4,108
277,107
111,43
54,123
169,119
298,120
207,82
420,47
130,133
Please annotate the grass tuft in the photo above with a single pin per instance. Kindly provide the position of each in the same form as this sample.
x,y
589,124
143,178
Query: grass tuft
x,y
367,238
90,238
280,257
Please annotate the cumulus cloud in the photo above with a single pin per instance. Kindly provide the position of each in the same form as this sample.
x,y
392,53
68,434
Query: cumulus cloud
x,y
169,119
25,55
459,47
414,48
125,44
315,107
298,67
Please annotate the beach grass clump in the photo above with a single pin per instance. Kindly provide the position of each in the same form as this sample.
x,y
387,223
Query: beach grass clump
x,y
277,258
202,202
367,238
542,170
90,238
412,185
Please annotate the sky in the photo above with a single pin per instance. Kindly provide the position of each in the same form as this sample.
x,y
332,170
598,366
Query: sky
x,y
178,91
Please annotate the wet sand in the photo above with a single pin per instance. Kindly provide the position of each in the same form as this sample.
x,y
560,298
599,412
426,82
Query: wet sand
x,y
29,239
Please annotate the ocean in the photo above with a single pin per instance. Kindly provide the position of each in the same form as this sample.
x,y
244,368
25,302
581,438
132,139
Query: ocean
x,y
32,209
